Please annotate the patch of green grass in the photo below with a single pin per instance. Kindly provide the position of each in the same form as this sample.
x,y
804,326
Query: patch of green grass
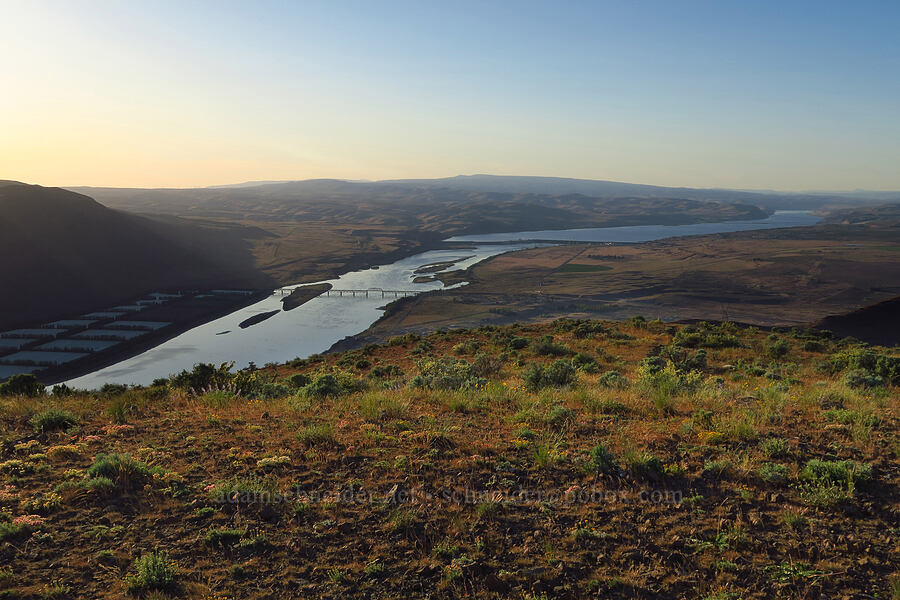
x,y
55,590
793,520
53,419
643,464
403,520
775,447
153,571
792,572
773,473
317,435
223,537
718,468
602,460
489,509
375,407
846,472
10,531
123,470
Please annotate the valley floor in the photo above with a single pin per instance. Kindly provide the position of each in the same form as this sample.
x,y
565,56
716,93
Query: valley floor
x,y
783,277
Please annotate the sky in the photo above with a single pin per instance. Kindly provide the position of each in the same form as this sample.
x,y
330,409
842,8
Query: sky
x,y
798,95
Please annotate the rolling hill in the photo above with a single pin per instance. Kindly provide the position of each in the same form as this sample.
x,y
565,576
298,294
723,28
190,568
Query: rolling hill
x,y
66,253
419,206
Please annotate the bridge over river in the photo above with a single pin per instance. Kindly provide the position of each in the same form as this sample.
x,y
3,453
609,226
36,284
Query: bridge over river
x,y
340,293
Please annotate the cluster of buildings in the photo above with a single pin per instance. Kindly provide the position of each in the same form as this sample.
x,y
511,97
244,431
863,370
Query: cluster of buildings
x,y
61,342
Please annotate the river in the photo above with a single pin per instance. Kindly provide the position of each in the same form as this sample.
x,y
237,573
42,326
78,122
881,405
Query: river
x,y
318,324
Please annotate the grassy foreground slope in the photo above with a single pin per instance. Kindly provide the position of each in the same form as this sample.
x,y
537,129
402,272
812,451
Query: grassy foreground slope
x,y
569,459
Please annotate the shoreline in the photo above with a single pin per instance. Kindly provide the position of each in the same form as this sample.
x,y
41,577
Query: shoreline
x,y
130,349
363,261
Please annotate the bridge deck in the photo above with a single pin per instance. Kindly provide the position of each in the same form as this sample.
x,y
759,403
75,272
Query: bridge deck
x,y
353,293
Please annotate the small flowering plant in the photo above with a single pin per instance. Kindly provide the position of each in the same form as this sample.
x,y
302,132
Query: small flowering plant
x,y
121,429
28,521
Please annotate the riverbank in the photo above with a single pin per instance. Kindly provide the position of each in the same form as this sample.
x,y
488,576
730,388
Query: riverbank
x,y
323,321
182,316
783,277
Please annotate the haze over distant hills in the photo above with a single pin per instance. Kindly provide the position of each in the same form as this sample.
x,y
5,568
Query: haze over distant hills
x,y
615,189
427,205
521,188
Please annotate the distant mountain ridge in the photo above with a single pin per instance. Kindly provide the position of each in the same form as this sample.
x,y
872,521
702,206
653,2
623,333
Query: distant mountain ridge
x,y
611,189
518,186
434,209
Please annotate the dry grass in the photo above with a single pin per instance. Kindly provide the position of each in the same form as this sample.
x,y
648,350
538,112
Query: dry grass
x,y
398,491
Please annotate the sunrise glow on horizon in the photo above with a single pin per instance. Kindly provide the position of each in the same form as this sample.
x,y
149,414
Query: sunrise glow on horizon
x,y
706,94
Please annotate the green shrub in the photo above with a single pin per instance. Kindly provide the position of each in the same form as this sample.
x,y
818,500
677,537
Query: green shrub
x,y
123,470
450,374
836,471
683,359
316,435
705,339
245,490
719,468
584,361
703,418
119,408
545,346
603,461
880,365
773,473
813,346
852,417
517,343
386,371
775,447
22,384
485,365
613,379
333,384
53,419
203,376
556,374
560,416
16,467
11,531
778,348
299,380
103,486
645,465
154,571
860,378
377,407
488,509
664,384
223,537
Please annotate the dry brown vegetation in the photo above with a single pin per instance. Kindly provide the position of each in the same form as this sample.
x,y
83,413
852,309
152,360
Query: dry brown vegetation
x,y
494,463
776,277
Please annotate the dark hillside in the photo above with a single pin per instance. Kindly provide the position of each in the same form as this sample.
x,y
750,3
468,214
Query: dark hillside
x,y
67,253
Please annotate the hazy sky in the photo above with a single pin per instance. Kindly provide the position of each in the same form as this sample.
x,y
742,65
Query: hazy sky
x,y
787,94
